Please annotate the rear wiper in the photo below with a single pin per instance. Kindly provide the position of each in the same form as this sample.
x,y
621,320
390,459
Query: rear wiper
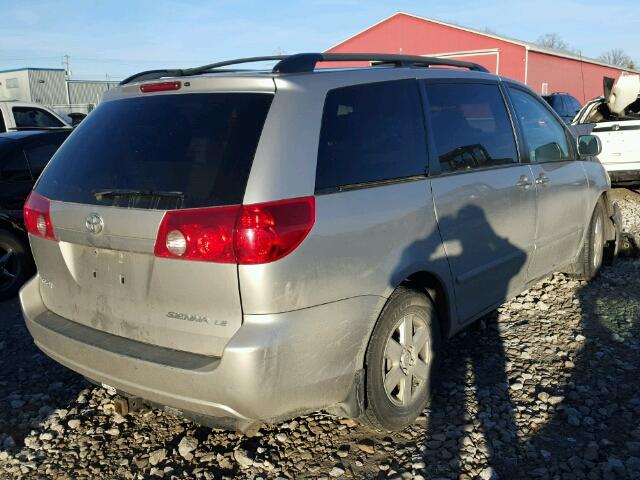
x,y
128,192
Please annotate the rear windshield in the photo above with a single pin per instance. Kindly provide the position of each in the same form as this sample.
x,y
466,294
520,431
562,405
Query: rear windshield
x,y
160,152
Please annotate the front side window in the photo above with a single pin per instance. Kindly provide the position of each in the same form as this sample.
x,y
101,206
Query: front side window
x,y
370,133
545,136
29,117
470,125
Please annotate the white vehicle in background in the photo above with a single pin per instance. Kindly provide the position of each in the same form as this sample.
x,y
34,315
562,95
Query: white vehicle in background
x,y
615,119
16,115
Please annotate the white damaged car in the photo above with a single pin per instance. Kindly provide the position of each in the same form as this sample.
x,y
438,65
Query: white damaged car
x,y
615,119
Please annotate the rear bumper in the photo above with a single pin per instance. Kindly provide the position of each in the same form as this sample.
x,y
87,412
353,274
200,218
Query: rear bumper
x,y
275,366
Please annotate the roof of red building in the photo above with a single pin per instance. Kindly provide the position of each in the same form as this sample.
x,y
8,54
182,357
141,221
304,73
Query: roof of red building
x,y
528,45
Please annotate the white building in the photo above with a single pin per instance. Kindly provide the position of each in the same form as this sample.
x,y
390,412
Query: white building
x,y
51,87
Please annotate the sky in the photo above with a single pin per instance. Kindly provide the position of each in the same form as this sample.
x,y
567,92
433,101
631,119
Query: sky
x,y
115,38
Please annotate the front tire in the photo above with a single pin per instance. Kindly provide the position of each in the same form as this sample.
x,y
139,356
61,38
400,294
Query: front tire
x,y
16,265
593,249
401,361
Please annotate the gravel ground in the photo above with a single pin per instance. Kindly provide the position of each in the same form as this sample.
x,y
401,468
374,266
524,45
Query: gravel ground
x,y
629,201
546,388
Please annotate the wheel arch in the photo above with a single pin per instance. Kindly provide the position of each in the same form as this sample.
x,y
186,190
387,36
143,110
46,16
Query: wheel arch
x,y
612,227
435,288
421,281
611,212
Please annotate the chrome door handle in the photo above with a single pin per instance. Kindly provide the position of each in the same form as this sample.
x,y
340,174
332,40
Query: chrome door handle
x,y
542,179
524,182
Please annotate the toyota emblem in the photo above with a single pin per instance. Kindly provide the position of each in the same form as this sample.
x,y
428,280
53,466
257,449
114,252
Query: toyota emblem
x,y
94,223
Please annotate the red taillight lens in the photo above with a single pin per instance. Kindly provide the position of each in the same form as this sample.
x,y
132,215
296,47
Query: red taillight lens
x,y
37,217
266,232
208,234
160,87
248,234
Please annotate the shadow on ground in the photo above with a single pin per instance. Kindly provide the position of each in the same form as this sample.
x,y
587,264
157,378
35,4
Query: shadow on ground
x,y
596,433
572,370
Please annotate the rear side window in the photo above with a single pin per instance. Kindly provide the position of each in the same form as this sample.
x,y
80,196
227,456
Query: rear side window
x,y
471,126
160,152
29,117
370,133
3,127
545,136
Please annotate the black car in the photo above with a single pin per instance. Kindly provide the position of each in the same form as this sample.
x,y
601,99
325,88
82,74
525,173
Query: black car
x,y
565,105
23,156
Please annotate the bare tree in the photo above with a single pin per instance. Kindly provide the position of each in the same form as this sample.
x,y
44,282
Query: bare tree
x,y
618,57
554,42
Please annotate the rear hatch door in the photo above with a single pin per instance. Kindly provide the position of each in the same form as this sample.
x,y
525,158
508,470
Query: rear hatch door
x,y
110,184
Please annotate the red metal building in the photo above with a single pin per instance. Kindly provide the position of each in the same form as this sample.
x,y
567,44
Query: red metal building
x,y
544,70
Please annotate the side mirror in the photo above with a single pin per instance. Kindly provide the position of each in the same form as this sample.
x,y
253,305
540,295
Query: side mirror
x,y
589,146
549,152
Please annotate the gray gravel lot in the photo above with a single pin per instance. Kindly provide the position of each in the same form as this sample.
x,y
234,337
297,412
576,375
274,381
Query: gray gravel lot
x,y
547,387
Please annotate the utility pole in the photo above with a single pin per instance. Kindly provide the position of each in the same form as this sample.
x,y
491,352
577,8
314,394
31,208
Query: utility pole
x,y
65,64
67,74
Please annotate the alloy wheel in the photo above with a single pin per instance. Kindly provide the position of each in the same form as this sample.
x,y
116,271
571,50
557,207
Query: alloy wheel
x,y
598,242
407,358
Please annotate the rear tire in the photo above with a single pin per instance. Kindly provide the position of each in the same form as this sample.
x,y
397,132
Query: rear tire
x,y
16,264
593,248
401,361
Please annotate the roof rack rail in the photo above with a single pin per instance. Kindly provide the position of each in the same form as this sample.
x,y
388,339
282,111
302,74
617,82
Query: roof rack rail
x,y
306,63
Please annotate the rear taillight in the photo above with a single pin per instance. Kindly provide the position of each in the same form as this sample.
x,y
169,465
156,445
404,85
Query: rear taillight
x,y
37,216
204,234
266,232
246,234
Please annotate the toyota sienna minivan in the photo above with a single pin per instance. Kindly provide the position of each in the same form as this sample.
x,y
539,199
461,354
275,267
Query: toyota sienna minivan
x,y
244,246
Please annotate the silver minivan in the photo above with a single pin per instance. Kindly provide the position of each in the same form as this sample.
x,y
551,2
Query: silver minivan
x,y
243,246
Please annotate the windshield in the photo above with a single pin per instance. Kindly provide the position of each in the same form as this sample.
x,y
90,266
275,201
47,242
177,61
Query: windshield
x,y
199,145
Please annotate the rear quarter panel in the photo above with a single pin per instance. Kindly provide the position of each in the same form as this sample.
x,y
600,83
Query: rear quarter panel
x,y
364,243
